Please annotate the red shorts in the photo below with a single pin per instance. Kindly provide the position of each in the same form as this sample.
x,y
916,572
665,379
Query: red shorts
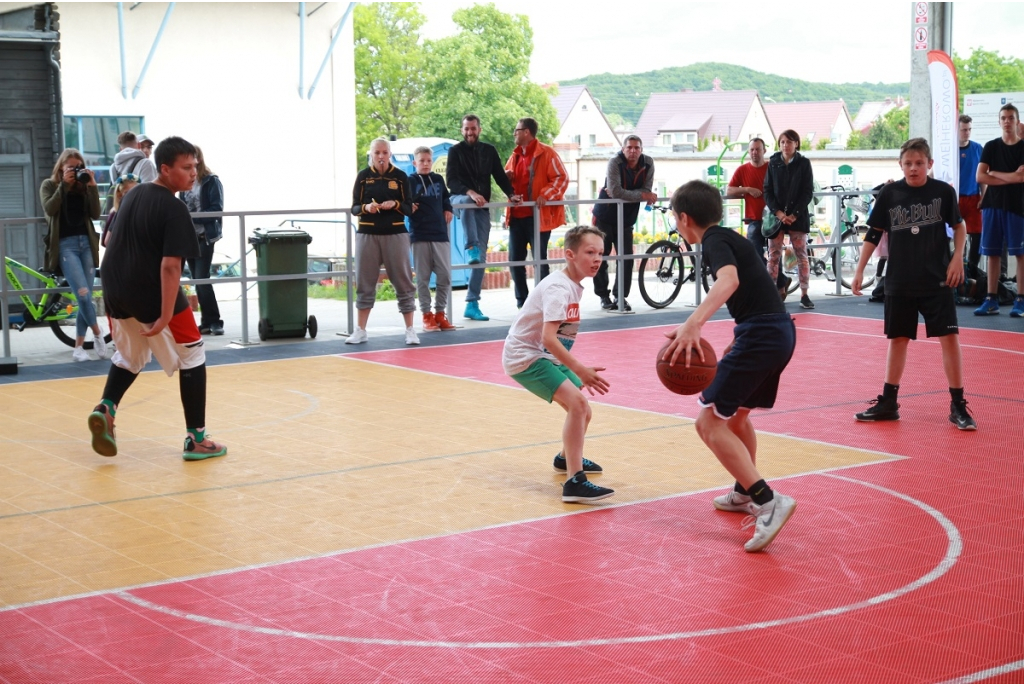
x,y
971,213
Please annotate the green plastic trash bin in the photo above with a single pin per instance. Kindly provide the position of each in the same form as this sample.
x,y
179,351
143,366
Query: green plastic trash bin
x,y
282,303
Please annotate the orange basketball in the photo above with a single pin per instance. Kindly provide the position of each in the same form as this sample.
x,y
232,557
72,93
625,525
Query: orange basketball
x,y
688,381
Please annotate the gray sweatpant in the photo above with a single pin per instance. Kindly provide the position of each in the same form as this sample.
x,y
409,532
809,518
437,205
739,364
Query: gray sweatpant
x,y
433,257
391,251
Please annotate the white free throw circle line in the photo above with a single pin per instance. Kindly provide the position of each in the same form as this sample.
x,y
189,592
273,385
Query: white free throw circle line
x,y
953,550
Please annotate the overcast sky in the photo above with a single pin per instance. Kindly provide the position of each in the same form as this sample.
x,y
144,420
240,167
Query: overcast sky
x,y
842,42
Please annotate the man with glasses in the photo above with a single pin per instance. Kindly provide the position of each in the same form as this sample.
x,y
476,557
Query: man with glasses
x,y
537,175
471,166
630,177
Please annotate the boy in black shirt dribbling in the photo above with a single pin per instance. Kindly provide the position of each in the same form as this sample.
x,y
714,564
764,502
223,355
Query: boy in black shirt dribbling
x,y
921,277
748,373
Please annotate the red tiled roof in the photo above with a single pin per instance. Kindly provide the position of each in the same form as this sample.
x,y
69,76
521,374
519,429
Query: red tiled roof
x,y
727,111
806,117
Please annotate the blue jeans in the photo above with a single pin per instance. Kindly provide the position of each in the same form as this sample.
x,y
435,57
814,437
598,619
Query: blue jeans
x,y
477,224
79,270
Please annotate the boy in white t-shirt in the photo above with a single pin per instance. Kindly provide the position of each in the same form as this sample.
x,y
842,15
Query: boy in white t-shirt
x,y
537,356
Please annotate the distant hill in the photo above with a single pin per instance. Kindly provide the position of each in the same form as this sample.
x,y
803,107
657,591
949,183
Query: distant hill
x,y
626,94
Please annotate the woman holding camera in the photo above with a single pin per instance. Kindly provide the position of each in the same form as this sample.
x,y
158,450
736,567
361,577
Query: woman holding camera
x,y
71,201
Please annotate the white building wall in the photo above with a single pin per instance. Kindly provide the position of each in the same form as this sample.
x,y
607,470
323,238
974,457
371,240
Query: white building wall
x,y
225,76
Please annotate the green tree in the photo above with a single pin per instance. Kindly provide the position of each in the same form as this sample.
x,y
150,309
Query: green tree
x,y
988,72
483,69
890,131
389,65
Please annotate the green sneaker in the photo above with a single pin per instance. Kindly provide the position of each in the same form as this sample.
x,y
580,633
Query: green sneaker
x,y
197,451
101,425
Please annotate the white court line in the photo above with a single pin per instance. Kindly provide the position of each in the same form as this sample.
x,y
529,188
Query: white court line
x,y
950,558
989,673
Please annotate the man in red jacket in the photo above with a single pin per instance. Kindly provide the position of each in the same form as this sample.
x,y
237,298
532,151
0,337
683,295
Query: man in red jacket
x,y
537,175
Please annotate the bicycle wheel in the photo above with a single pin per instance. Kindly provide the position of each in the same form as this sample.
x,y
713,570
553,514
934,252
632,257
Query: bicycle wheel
x,y
707,279
661,274
64,328
848,255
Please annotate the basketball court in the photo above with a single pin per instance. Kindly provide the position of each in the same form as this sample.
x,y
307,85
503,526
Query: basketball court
x,y
392,516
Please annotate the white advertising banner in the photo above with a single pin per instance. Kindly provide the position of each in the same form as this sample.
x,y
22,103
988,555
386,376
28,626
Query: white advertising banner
x,y
945,147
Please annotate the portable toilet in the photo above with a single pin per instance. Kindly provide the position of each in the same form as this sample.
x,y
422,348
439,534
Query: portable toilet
x,y
402,157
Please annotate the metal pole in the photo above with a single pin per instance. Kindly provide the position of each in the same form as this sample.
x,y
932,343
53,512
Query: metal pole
x,y
120,31
245,285
152,51
535,247
5,325
620,281
302,48
349,273
337,34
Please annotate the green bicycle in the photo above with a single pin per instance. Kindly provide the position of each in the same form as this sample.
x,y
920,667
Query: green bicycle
x,y
58,310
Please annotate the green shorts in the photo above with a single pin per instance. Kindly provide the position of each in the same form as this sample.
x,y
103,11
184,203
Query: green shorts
x,y
543,377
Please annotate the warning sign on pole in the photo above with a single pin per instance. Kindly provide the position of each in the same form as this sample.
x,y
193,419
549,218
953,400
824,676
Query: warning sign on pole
x,y
921,13
921,38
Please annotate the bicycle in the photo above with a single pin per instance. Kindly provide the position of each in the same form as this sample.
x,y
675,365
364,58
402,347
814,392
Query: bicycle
x,y
663,271
846,255
57,310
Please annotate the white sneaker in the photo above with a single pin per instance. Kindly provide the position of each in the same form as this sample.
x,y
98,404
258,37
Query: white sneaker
x,y
410,336
767,520
358,336
80,355
732,501
99,346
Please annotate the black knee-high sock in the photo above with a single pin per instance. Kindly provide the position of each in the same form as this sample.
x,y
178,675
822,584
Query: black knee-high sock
x,y
118,382
192,384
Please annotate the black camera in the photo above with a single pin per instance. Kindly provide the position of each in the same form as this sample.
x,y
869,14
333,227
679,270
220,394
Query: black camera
x,y
81,175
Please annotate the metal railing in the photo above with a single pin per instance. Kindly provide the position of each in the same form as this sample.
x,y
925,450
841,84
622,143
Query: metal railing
x,y
7,293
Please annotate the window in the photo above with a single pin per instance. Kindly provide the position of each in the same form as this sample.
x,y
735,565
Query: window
x,y
96,139
666,139
576,139
593,189
593,139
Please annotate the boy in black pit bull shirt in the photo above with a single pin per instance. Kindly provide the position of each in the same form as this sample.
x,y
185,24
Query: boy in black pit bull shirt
x,y
921,277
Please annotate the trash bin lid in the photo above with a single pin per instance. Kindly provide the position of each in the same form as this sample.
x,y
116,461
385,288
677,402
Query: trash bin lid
x,y
291,235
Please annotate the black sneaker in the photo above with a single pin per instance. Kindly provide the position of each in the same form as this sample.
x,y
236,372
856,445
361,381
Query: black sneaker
x,y
806,303
205,330
625,305
960,416
588,466
606,303
581,491
882,409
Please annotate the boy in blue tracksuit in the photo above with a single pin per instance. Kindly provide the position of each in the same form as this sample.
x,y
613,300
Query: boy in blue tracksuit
x,y
431,252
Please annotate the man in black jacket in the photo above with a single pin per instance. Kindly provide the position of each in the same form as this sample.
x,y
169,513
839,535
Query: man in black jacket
x,y
630,177
471,166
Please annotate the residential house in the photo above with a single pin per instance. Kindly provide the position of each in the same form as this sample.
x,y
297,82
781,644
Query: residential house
x,y
584,129
815,121
870,112
681,121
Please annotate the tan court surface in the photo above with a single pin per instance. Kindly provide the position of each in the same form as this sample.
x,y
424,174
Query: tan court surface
x,y
325,454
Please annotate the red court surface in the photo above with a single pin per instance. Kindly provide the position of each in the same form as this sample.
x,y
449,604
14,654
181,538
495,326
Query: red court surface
x,y
906,570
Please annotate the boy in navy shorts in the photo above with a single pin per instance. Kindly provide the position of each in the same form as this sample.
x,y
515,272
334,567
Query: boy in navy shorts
x,y
537,356
921,277
748,372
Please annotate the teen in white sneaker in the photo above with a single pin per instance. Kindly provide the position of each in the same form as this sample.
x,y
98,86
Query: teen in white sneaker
x,y
748,373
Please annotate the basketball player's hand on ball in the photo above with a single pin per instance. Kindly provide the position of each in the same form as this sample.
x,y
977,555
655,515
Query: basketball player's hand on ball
x,y
593,381
685,343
